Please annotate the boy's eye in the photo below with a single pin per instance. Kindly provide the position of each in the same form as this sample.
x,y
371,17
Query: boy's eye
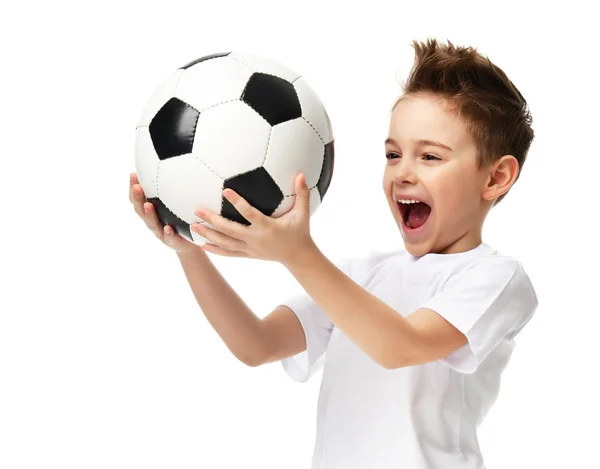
x,y
432,156
427,156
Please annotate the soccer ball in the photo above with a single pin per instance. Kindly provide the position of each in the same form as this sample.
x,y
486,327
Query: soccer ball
x,y
231,120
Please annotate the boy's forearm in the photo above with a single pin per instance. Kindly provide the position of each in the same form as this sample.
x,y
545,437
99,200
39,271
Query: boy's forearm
x,y
240,329
371,324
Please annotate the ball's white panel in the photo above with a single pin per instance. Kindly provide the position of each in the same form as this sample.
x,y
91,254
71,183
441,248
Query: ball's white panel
x,y
266,65
231,139
294,148
185,184
212,82
146,161
313,110
288,202
161,95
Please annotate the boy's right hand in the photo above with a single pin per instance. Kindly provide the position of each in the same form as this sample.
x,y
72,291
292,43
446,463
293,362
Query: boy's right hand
x,y
147,213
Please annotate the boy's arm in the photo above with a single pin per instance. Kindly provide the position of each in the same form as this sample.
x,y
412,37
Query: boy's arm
x,y
243,332
381,332
284,335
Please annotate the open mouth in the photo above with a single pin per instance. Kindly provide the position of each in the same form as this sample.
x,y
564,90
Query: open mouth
x,y
414,215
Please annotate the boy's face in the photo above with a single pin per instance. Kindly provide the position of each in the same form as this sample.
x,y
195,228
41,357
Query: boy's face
x,y
446,179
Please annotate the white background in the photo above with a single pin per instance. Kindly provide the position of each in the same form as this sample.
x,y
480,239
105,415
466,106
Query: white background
x,y
105,358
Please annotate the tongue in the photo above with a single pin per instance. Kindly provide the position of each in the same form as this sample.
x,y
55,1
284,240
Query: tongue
x,y
418,215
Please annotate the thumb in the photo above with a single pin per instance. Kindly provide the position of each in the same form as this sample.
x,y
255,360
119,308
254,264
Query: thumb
x,y
302,194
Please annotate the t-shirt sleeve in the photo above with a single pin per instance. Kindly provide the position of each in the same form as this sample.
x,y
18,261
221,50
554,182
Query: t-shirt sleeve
x,y
488,301
317,329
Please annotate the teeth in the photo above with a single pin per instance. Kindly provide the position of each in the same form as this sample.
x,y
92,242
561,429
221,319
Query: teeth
x,y
403,201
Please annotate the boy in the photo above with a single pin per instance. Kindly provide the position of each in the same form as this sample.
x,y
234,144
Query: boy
x,y
416,339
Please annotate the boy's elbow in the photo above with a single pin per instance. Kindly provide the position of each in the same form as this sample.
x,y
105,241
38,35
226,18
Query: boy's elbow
x,y
392,365
253,363
402,361
251,360
392,360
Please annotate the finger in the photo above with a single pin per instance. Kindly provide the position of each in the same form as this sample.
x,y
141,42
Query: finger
x,y
221,239
223,252
132,181
151,219
136,193
140,203
138,199
169,235
250,213
172,238
143,208
231,228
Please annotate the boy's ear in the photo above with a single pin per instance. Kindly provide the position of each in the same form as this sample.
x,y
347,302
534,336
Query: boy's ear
x,y
502,175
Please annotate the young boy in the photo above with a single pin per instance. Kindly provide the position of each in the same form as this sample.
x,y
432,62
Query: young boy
x,y
413,341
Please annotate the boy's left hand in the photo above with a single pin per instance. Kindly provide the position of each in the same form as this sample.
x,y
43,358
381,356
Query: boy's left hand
x,y
272,239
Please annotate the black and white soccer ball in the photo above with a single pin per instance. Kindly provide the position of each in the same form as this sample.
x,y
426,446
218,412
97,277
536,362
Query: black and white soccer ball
x,y
232,120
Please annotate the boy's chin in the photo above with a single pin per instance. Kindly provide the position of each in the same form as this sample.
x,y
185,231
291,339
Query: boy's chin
x,y
417,250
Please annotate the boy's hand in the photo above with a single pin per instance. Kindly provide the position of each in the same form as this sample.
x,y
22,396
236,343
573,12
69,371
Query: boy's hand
x,y
147,213
273,239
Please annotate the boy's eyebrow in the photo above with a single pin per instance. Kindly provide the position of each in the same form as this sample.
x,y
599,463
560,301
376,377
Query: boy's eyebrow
x,y
421,141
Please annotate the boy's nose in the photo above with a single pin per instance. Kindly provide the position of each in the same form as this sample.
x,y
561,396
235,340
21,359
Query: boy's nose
x,y
404,172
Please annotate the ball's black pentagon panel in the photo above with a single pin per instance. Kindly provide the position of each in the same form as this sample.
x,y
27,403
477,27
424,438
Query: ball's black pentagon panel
x,y
167,217
206,57
326,170
274,98
172,129
257,188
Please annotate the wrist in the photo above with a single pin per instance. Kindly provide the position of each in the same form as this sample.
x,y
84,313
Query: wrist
x,y
193,252
303,257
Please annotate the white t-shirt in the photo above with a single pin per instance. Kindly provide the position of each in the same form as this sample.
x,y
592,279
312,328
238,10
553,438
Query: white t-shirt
x,y
425,416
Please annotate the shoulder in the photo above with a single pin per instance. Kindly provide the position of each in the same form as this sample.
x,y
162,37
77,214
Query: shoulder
x,y
496,273
495,264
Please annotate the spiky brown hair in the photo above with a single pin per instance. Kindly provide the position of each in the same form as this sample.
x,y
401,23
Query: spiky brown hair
x,y
480,93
